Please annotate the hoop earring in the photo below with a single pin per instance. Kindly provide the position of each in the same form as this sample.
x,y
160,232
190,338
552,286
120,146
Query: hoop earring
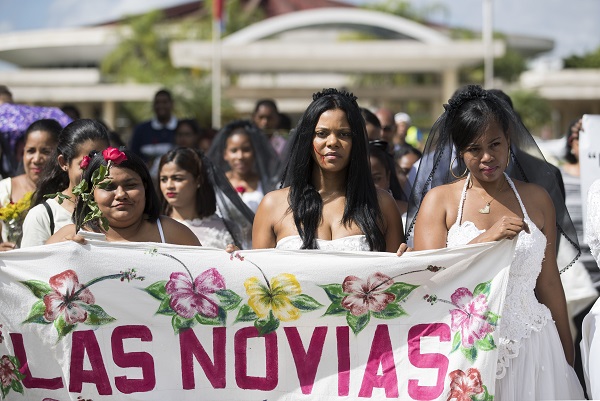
x,y
452,171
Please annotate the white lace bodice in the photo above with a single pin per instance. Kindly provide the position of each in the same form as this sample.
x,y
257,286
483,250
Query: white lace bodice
x,y
211,231
592,224
522,312
350,243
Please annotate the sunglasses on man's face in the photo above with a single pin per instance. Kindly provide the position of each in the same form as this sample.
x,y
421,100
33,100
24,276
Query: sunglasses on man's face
x,y
388,128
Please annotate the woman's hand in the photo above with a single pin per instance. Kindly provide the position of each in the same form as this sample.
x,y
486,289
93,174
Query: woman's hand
x,y
231,248
7,246
403,248
506,227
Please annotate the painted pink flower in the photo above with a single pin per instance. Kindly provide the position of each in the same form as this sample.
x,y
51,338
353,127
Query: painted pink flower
x,y
67,299
367,295
7,371
189,298
464,385
85,162
470,318
114,155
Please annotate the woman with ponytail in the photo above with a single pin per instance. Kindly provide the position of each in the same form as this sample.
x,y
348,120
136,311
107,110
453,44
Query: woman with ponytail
x,y
328,200
61,174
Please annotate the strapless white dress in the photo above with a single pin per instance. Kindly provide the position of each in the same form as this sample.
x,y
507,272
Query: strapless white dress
x,y
350,243
531,363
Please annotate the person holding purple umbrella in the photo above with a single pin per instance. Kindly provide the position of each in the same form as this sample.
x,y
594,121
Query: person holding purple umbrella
x,y
40,140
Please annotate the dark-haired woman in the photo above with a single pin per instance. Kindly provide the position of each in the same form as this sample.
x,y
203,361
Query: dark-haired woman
x,y
329,200
40,140
130,205
62,174
485,204
196,194
248,159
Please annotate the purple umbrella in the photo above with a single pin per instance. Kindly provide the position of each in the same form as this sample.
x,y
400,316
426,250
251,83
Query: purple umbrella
x,y
16,118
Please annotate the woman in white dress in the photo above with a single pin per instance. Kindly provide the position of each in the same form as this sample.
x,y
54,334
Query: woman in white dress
x,y
62,174
590,343
249,161
194,193
329,200
535,351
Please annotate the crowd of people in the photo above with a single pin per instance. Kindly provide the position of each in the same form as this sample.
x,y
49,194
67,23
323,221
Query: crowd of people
x,y
476,176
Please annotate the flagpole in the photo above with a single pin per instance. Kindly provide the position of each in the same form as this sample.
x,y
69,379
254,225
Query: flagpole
x,y
216,63
488,43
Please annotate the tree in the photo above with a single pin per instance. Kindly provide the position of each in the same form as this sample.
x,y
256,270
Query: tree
x,y
588,60
534,110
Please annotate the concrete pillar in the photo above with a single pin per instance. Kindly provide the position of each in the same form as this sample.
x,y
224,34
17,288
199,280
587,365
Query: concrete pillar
x,y
449,83
109,113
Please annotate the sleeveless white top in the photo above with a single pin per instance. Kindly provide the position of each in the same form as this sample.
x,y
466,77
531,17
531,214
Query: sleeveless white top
x,y
350,243
522,312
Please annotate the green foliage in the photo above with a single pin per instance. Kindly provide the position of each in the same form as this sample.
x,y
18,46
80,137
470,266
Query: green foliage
x,y
534,110
404,8
588,60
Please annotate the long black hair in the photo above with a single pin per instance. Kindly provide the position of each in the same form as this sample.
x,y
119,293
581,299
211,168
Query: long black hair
x,y
133,163
190,160
55,179
306,204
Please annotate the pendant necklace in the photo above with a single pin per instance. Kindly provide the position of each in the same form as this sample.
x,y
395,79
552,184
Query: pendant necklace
x,y
486,208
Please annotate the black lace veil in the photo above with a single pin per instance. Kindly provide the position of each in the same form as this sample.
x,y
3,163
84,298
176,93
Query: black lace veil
x,y
236,215
440,164
266,159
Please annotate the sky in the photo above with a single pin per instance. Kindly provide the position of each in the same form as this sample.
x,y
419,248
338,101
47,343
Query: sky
x,y
573,24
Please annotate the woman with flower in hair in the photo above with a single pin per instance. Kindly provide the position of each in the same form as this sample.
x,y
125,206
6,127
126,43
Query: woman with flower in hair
x,y
121,203
62,173
329,200
477,183
248,159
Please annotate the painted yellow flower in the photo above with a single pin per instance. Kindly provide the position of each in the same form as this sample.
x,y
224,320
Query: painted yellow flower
x,y
277,298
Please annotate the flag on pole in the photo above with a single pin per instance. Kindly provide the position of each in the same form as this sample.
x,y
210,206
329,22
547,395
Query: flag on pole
x,y
218,14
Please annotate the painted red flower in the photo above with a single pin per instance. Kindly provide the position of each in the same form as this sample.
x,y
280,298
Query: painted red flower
x,y
114,155
7,371
85,162
189,298
367,295
67,298
464,385
240,189
470,318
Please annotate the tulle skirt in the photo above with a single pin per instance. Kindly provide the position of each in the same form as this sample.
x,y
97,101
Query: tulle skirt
x,y
540,371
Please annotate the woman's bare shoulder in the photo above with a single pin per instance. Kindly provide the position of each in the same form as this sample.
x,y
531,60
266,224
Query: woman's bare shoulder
x,y
62,234
177,233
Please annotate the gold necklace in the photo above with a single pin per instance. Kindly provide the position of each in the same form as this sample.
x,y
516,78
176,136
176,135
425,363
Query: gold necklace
x,y
486,208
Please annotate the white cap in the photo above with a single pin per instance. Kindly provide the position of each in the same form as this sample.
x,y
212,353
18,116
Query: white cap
x,y
402,118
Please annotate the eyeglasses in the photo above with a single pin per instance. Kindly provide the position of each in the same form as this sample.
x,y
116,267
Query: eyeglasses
x,y
388,128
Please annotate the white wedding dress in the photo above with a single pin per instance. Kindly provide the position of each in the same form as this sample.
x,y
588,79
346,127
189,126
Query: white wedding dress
x,y
590,342
350,243
531,363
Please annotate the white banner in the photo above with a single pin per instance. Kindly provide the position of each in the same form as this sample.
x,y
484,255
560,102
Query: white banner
x,y
142,321
589,157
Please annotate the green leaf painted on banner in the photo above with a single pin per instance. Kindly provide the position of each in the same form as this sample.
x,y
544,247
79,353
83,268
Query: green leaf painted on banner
x,y
17,386
456,341
483,288
38,288
218,320
180,323
96,315
391,311
469,353
62,327
357,323
336,309
4,390
245,314
165,308
401,290
486,343
305,302
36,314
268,325
492,318
228,299
333,291
157,290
